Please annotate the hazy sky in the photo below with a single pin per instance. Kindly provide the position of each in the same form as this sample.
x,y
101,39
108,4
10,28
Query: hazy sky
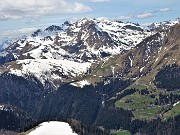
x,y
18,17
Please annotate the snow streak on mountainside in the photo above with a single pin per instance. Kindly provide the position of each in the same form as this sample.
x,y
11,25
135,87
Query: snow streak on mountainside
x,y
62,52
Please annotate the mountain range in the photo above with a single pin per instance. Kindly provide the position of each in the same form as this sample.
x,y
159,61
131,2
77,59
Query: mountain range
x,y
126,74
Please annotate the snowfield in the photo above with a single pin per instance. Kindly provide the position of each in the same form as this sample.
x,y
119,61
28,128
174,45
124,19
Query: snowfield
x,y
53,128
81,83
44,68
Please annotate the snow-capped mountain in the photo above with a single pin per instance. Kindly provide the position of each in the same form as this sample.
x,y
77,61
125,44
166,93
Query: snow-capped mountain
x,y
162,25
83,40
5,44
63,52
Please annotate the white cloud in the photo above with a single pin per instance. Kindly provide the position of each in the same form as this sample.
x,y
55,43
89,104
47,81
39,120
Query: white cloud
x,y
34,8
102,18
19,32
164,9
8,16
144,15
122,18
100,0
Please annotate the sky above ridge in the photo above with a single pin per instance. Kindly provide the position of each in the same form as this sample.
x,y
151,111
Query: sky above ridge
x,y
19,17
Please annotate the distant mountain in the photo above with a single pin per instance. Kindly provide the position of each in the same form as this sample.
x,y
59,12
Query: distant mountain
x,y
5,44
162,25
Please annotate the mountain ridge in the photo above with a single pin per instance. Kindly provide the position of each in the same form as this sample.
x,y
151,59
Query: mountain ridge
x,y
86,40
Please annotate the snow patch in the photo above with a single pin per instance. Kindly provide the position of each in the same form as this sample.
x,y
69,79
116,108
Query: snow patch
x,y
113,70
53,128
141,69
81,83
176,103
131,61
1,107
45,69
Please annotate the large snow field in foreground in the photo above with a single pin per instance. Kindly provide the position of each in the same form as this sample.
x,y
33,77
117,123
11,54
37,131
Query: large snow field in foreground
x,y
53,128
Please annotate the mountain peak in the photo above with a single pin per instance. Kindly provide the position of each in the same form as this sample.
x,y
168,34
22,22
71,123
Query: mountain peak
x,y
37,32
5,44
162,25
53,28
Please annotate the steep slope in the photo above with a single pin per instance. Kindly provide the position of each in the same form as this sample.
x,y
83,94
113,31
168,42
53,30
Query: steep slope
x,y
153,64
149,56
168,54
13,118
24,93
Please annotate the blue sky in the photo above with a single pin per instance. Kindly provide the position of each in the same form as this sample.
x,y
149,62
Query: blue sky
x,y
19,17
